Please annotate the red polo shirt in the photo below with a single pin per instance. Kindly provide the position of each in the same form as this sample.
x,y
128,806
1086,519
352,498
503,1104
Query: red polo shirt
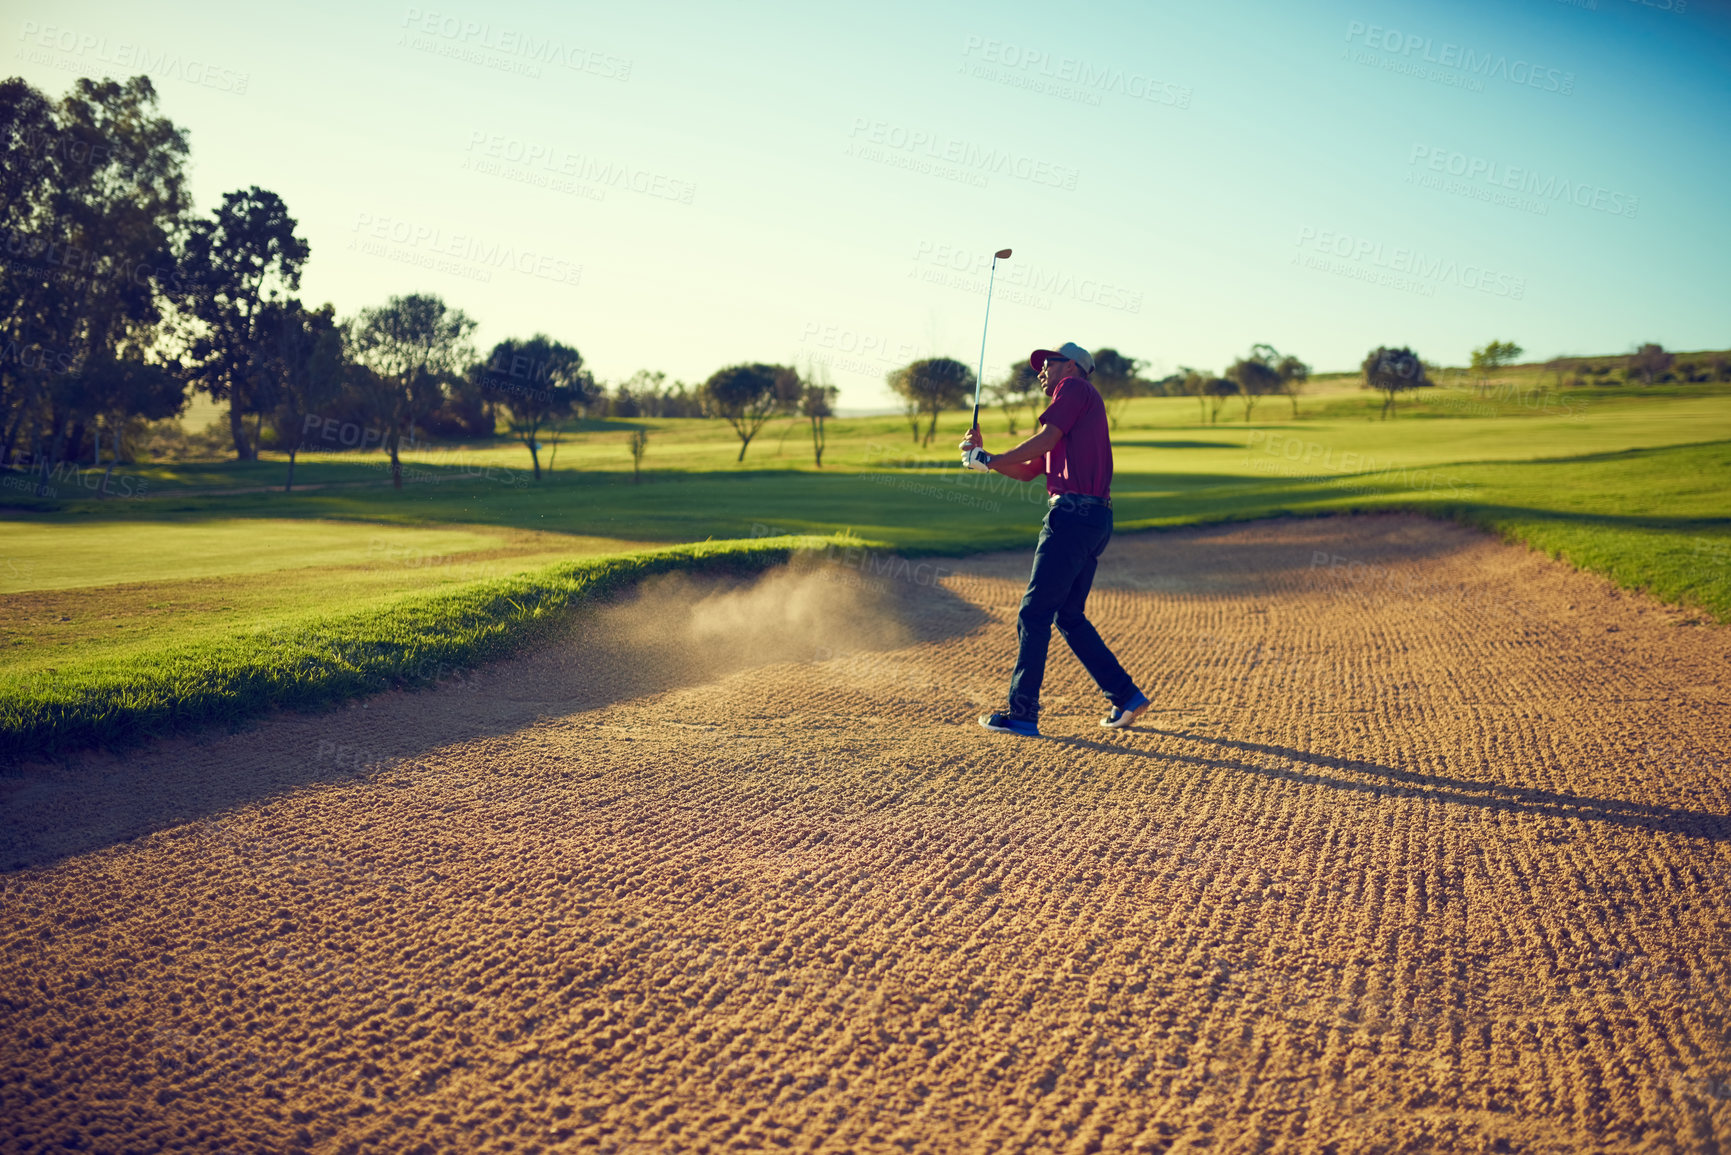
x,y
1081,462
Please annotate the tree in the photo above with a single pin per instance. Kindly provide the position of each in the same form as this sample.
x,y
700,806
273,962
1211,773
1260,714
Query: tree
x,y
1188,382
1218,389
235,263
1118,379
1494,356
536,382
1650,362
1393,371
639,443
410,343
746,396
106,393
90,260
817,402
1255,379
303,349
29,138
1290,373
932,385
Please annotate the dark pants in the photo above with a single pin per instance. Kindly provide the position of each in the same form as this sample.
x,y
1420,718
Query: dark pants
x,y
1068,553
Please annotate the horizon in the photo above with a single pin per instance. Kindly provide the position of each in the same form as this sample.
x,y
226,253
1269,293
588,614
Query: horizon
x,y
828,190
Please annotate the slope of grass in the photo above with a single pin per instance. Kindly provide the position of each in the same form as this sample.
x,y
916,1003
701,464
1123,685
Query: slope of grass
x,y
322,658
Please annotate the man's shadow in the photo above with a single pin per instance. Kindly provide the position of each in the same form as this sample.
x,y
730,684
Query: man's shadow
x,y
1493,796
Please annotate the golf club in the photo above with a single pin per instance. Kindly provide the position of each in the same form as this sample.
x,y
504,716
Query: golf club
x,y
1000,255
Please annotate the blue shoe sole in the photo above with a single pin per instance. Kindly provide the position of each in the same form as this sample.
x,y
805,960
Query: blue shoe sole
x,y
1031,732
1127,716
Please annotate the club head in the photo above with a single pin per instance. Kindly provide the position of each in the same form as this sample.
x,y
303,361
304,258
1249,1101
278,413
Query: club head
x,y
1001,254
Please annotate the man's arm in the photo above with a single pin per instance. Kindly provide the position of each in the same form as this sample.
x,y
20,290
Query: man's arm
x,y
1027,460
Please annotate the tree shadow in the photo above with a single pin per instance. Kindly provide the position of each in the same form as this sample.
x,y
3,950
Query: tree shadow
x,y
1396,782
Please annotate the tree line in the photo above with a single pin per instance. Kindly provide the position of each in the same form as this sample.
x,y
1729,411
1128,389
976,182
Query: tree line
x,y
118,301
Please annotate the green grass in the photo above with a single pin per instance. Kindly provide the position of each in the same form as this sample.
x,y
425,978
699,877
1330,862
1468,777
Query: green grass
x,y
1631,483
319,659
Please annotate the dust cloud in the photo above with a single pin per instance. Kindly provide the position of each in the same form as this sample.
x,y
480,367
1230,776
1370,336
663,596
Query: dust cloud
x,y
706,626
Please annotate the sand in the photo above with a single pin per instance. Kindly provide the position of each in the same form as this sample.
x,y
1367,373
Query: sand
x,y
1422,848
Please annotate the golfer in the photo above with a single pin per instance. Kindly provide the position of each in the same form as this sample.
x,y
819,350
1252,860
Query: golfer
x,y
1073,449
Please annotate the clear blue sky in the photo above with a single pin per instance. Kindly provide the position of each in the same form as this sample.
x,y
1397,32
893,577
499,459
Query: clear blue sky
x,y
1177,180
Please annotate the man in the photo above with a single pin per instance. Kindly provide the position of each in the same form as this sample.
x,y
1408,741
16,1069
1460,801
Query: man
x,y
1073,449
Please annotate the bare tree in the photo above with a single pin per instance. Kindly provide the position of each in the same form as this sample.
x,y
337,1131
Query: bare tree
x,y
639,442
816,402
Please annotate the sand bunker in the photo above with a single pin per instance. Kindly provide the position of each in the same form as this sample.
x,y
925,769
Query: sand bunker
x,y
1424,847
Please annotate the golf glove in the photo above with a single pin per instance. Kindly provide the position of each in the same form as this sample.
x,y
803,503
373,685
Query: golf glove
x,y
976,458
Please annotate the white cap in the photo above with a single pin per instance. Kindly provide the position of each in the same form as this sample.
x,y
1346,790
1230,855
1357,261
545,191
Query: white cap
x,y
1068,351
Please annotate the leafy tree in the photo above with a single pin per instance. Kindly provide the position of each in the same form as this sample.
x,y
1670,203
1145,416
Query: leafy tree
x,y
1650,362
931,385
28,140
1118,378
746,396
235,263
1218,389
537,381
816,403
90,264
1290,373
1393,371
1494,356
303,349
105,394
1255,379
410,343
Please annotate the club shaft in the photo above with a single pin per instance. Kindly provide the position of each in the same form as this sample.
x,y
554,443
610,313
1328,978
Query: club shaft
x,y
980,377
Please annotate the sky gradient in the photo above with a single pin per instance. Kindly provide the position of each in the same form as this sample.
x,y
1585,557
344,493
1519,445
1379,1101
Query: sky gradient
x,y
682,187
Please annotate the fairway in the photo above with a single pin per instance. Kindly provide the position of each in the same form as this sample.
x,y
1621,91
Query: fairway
x,y
54,557
1422,848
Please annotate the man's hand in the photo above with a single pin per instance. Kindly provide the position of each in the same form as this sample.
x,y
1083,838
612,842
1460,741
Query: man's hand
x,y
973,439
977,459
